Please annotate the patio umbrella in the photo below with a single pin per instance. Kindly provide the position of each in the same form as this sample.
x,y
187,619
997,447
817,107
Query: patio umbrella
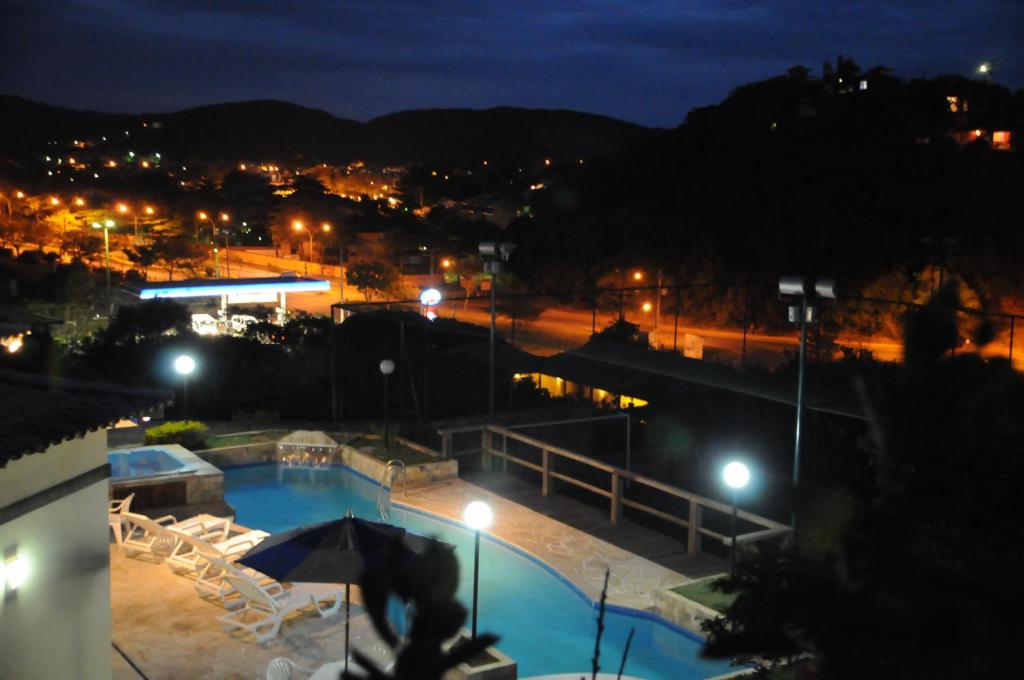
x,y
337,551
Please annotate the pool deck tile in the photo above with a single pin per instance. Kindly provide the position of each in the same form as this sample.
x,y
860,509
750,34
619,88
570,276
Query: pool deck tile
x,y
170,633
579,557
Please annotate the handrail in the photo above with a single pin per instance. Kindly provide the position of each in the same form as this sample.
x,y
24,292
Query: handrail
x,y
389,468
767,528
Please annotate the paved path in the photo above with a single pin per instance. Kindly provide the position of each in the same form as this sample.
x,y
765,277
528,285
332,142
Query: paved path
x,y
579,556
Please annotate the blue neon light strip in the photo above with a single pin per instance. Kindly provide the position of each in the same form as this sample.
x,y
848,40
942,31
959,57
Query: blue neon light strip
x,y
218,290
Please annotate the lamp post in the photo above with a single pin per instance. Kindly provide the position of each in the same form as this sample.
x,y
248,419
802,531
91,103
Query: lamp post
x,y
184,365
804,312
106,226
478,516
224,217
493,255
736,475
387,367
125,210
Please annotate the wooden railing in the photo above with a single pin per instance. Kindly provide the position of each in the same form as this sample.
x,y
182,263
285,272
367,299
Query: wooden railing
x,y
693,522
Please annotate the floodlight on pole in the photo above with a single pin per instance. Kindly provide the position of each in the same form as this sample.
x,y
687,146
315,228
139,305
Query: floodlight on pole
x,y
184,365
736,476
802,312
477,516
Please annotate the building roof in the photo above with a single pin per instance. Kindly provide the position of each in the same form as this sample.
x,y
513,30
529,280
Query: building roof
x,y
639,372
38,411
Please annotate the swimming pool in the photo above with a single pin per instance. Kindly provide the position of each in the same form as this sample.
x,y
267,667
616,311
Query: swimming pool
x,y
149,461
544,624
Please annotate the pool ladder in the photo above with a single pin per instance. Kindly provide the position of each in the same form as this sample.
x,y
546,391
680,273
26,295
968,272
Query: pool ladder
x,y
383,494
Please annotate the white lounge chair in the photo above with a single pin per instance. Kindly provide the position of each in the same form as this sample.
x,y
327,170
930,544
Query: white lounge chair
x,y
210,581
115,516
283,668
193,552
264,611
152,536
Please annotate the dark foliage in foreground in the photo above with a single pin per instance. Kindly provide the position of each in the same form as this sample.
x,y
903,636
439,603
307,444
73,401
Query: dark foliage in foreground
x,y
429,584
919,579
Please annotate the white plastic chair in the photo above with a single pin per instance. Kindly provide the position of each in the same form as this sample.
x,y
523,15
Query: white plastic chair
x,y
283,668
115,516
266,607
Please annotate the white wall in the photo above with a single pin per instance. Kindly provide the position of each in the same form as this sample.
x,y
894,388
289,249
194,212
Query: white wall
x,y
58,624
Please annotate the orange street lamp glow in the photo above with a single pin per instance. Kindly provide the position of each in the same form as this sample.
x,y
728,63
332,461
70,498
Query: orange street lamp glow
x,y
19,194
111,164
79,201
446,263
54,200
148,210
224,217
122,208
201,215
297,225
647,307
638,276
326,226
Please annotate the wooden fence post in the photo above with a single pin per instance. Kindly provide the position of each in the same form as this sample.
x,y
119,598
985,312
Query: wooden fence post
x,y
545,475
616,498
693,530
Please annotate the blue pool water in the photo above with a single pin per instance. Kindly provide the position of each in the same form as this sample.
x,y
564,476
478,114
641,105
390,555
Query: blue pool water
x,y
544,624
149,461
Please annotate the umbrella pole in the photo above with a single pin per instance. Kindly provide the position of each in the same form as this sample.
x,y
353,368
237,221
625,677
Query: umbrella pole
x,y
347,611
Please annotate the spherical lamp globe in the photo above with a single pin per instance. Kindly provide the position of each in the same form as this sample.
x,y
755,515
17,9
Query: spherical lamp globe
x,y
387,366
736,475
184,364
478,515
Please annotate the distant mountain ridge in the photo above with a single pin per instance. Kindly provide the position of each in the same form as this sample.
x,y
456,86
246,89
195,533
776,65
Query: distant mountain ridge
x,y
271,130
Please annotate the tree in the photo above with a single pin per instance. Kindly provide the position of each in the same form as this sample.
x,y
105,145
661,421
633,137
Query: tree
x,y
83,245
143,257
372,278
916,584
178,253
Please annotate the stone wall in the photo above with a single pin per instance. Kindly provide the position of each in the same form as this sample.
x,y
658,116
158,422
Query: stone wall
x,y
682,611
262,452
373,467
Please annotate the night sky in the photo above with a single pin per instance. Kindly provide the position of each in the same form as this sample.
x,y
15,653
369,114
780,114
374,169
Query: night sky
x,y
647,62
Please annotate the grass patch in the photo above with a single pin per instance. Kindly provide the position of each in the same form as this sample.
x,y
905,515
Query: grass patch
x,y
244,438
701,592
374,446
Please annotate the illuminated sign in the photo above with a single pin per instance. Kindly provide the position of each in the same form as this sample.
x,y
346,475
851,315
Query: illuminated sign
x,y
213,289
430,297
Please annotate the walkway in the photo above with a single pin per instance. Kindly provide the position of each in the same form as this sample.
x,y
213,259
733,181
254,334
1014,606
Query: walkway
x,y
580,553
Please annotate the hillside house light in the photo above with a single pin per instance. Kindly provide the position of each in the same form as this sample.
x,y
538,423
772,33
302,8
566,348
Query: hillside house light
x,y
184,365
478,516
736,476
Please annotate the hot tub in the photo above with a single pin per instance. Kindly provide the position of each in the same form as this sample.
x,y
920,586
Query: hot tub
x,y
150,461
164,476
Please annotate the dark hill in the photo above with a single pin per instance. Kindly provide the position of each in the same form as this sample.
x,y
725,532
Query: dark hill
x,y
283,132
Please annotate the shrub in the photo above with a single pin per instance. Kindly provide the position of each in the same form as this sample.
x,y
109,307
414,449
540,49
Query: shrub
x,y
189,433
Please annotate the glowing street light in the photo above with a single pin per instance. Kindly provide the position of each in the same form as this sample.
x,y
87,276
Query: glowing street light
x,y
647,307
478,516
184,365
298,225
638,275
54,200
79,201
736,476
